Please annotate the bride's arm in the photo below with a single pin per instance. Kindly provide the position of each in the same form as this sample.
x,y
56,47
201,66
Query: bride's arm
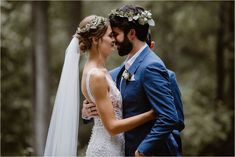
x,y
99,89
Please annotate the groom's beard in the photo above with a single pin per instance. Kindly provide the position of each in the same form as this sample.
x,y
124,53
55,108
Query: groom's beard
x,y
125,47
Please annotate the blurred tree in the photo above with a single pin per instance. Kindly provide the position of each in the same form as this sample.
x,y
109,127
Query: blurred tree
x,y
40,73
74,16
220,52
225,74
15,79
15,115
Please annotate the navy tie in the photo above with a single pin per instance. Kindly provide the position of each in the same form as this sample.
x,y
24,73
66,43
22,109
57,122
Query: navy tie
x,y
119,80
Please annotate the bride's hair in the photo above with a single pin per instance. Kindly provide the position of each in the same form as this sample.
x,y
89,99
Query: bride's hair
x,y
91,26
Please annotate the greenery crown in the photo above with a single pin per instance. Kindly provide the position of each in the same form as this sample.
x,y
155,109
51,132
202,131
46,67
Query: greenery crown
x,y
145,17
93,24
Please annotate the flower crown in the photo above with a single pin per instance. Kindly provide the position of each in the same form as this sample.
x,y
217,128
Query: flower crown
x,y
143,18
93,24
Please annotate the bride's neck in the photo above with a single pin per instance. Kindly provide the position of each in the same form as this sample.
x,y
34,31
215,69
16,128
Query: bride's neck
x,y
97,59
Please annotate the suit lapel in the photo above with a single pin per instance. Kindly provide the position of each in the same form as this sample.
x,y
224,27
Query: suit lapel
x,y
118,77
133,68
138,60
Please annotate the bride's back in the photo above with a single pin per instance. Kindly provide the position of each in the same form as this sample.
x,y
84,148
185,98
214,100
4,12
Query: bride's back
x,y
85,81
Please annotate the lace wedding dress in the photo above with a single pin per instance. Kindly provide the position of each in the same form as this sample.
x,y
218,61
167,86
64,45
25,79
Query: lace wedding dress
x,y
101,142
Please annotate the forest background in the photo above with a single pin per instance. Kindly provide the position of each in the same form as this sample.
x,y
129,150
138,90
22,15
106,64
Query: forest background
x,y
194,38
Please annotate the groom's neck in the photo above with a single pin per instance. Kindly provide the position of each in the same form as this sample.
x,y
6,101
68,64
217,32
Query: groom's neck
x,y
137,45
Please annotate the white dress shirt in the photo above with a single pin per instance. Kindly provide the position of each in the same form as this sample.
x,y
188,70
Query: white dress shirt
x,y
130,61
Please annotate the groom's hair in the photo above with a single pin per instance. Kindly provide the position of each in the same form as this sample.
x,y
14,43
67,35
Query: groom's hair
x,y
125,25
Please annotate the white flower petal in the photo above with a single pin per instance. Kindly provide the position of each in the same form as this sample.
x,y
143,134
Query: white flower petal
x,y
151,22
136,17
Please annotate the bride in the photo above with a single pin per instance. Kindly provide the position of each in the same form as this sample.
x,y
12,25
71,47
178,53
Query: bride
x,y
94,35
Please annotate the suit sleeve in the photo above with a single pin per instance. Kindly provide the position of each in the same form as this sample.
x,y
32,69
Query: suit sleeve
x,y
87,121
156,84
177,99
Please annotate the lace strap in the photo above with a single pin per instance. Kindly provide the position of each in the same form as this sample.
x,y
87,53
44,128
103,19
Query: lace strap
x,y
88,89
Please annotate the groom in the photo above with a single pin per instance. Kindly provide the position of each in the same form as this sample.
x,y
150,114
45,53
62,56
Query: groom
x,y
145,84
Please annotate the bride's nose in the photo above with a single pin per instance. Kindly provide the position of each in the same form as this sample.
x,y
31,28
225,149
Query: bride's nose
x,y
113,39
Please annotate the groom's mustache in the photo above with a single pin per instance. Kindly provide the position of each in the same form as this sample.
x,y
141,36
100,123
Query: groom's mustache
x,y
118,44
124,47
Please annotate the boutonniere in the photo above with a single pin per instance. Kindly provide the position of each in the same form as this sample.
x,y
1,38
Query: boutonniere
x,y
126,75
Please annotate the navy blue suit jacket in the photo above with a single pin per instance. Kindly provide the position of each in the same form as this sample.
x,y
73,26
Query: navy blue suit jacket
x,y
151,88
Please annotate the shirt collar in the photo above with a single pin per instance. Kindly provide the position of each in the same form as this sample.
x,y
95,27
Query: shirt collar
x,y
130,61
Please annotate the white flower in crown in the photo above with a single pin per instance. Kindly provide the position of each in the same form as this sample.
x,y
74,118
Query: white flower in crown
x,y
93,24
126,75
143,18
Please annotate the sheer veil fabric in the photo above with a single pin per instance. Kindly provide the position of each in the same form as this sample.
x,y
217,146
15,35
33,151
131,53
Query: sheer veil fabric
x,y
63,130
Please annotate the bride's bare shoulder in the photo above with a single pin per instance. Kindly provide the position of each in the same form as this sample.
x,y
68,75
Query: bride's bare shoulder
x,y
98,84
98,75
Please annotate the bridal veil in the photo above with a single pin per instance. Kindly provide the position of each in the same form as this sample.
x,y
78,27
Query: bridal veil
x,y
63,130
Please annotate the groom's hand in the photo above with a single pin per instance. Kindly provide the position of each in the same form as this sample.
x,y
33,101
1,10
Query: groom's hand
x,y
138,154
89,110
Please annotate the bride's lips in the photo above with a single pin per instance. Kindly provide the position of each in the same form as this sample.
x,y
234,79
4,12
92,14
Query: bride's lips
x,y
118,46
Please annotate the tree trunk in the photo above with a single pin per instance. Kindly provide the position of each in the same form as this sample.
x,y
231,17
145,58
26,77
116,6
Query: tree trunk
x,y
227,46
230,48
40,71
220,55
75,14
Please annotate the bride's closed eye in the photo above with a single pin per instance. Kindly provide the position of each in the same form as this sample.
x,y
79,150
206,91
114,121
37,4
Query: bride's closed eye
x,y
111,35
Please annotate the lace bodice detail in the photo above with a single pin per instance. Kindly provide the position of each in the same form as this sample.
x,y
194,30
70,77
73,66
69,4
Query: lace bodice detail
x,y
101,142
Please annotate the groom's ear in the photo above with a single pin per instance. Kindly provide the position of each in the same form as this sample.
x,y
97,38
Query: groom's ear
x,y
132,34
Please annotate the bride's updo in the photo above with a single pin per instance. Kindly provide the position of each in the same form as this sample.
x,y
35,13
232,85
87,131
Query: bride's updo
x,y
91,26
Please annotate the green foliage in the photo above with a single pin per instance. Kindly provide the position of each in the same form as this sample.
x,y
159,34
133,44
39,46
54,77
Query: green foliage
x,y
15,81
207,122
